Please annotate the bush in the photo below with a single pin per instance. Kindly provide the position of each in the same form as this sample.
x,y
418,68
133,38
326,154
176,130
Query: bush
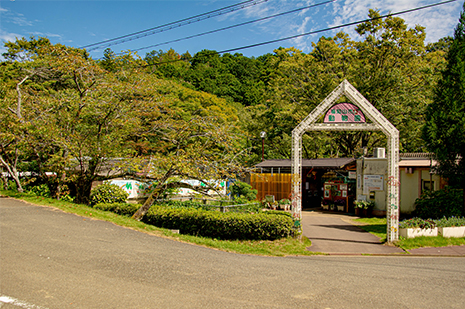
x,y
107,194
277,212
364,204
243,190
417,223
450,222
220,225
437,204
40,190
123,209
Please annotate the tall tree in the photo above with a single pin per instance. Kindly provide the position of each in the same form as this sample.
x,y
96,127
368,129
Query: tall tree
x,y
187,135
445,126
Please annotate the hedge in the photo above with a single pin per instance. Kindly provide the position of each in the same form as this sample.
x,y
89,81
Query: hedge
x,y
220,225
262,226
124,209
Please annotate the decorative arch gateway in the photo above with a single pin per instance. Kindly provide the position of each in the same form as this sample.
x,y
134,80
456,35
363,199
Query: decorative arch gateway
x,y
379,122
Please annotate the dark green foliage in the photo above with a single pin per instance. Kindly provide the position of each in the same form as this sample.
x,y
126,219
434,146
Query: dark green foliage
x,y
220,225
444,130
108,193
438,204
242,189
192,218
123,209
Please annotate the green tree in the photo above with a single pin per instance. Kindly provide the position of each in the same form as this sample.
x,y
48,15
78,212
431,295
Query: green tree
x,y
168,64
68,115
17,109
389,65
444,130
187,135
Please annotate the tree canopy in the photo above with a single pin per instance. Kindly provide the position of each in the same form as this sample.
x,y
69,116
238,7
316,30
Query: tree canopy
x,y
168,116
444,130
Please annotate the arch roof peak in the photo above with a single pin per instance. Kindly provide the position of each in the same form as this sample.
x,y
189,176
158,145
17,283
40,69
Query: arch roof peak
x,y
379,122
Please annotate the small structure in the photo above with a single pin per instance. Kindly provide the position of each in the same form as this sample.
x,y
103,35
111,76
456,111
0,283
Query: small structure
x,y
273,177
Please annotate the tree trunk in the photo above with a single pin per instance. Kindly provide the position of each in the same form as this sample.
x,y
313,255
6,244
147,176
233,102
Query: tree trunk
x,y
148,203
13,173
4,182
83,188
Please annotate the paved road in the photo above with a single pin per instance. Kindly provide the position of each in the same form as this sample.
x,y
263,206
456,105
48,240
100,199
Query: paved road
x,y
50,259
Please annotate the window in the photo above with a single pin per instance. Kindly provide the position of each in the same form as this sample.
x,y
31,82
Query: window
x,y
426,185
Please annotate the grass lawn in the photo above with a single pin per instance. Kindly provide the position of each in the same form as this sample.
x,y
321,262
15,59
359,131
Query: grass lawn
x,y
281,247
377,227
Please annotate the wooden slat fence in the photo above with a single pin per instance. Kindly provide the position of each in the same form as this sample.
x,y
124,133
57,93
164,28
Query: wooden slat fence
x,y
278,185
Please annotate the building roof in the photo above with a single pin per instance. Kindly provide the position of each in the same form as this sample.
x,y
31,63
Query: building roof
x,y
417,163
333,163
415,155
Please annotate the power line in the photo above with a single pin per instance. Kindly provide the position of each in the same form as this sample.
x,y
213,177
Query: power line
x,y
316,31
234,26
172,25
335,27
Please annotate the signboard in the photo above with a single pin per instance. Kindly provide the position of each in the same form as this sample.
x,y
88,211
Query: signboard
x,y
373,183
344,113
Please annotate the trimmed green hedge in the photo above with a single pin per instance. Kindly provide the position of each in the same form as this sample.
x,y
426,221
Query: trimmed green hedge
x,y
220,225
263,226
119,208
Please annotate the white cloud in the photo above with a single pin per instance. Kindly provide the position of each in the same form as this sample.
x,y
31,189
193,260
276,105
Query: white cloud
x,y
19,19
439,21
5,36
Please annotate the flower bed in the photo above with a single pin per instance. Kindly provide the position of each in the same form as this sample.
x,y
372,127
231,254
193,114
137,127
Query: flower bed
x,y
417,227
447,227
451,227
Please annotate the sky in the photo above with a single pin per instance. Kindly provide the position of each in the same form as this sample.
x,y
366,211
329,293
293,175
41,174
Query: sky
x,y
79,23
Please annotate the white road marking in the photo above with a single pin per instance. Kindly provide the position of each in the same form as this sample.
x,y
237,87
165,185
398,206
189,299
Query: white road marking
x,y
19,303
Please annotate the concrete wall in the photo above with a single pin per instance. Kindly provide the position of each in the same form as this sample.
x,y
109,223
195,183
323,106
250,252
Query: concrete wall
x,y
376,167
411,183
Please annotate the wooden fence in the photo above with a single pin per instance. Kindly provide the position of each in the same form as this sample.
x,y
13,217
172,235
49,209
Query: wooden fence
x,y
278,185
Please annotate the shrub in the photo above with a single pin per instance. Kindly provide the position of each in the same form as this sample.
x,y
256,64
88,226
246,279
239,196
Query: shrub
x,y
243,190
437,204
124,209
364,204
107,194
417,223
277,212
450,222
220,225
40,190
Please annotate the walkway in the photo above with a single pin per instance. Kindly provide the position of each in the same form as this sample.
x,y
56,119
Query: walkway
x,y
334,233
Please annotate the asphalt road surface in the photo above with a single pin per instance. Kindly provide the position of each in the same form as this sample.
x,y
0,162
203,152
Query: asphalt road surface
x,y
51,259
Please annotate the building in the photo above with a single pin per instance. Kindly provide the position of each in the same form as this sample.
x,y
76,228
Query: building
x,y
343,180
